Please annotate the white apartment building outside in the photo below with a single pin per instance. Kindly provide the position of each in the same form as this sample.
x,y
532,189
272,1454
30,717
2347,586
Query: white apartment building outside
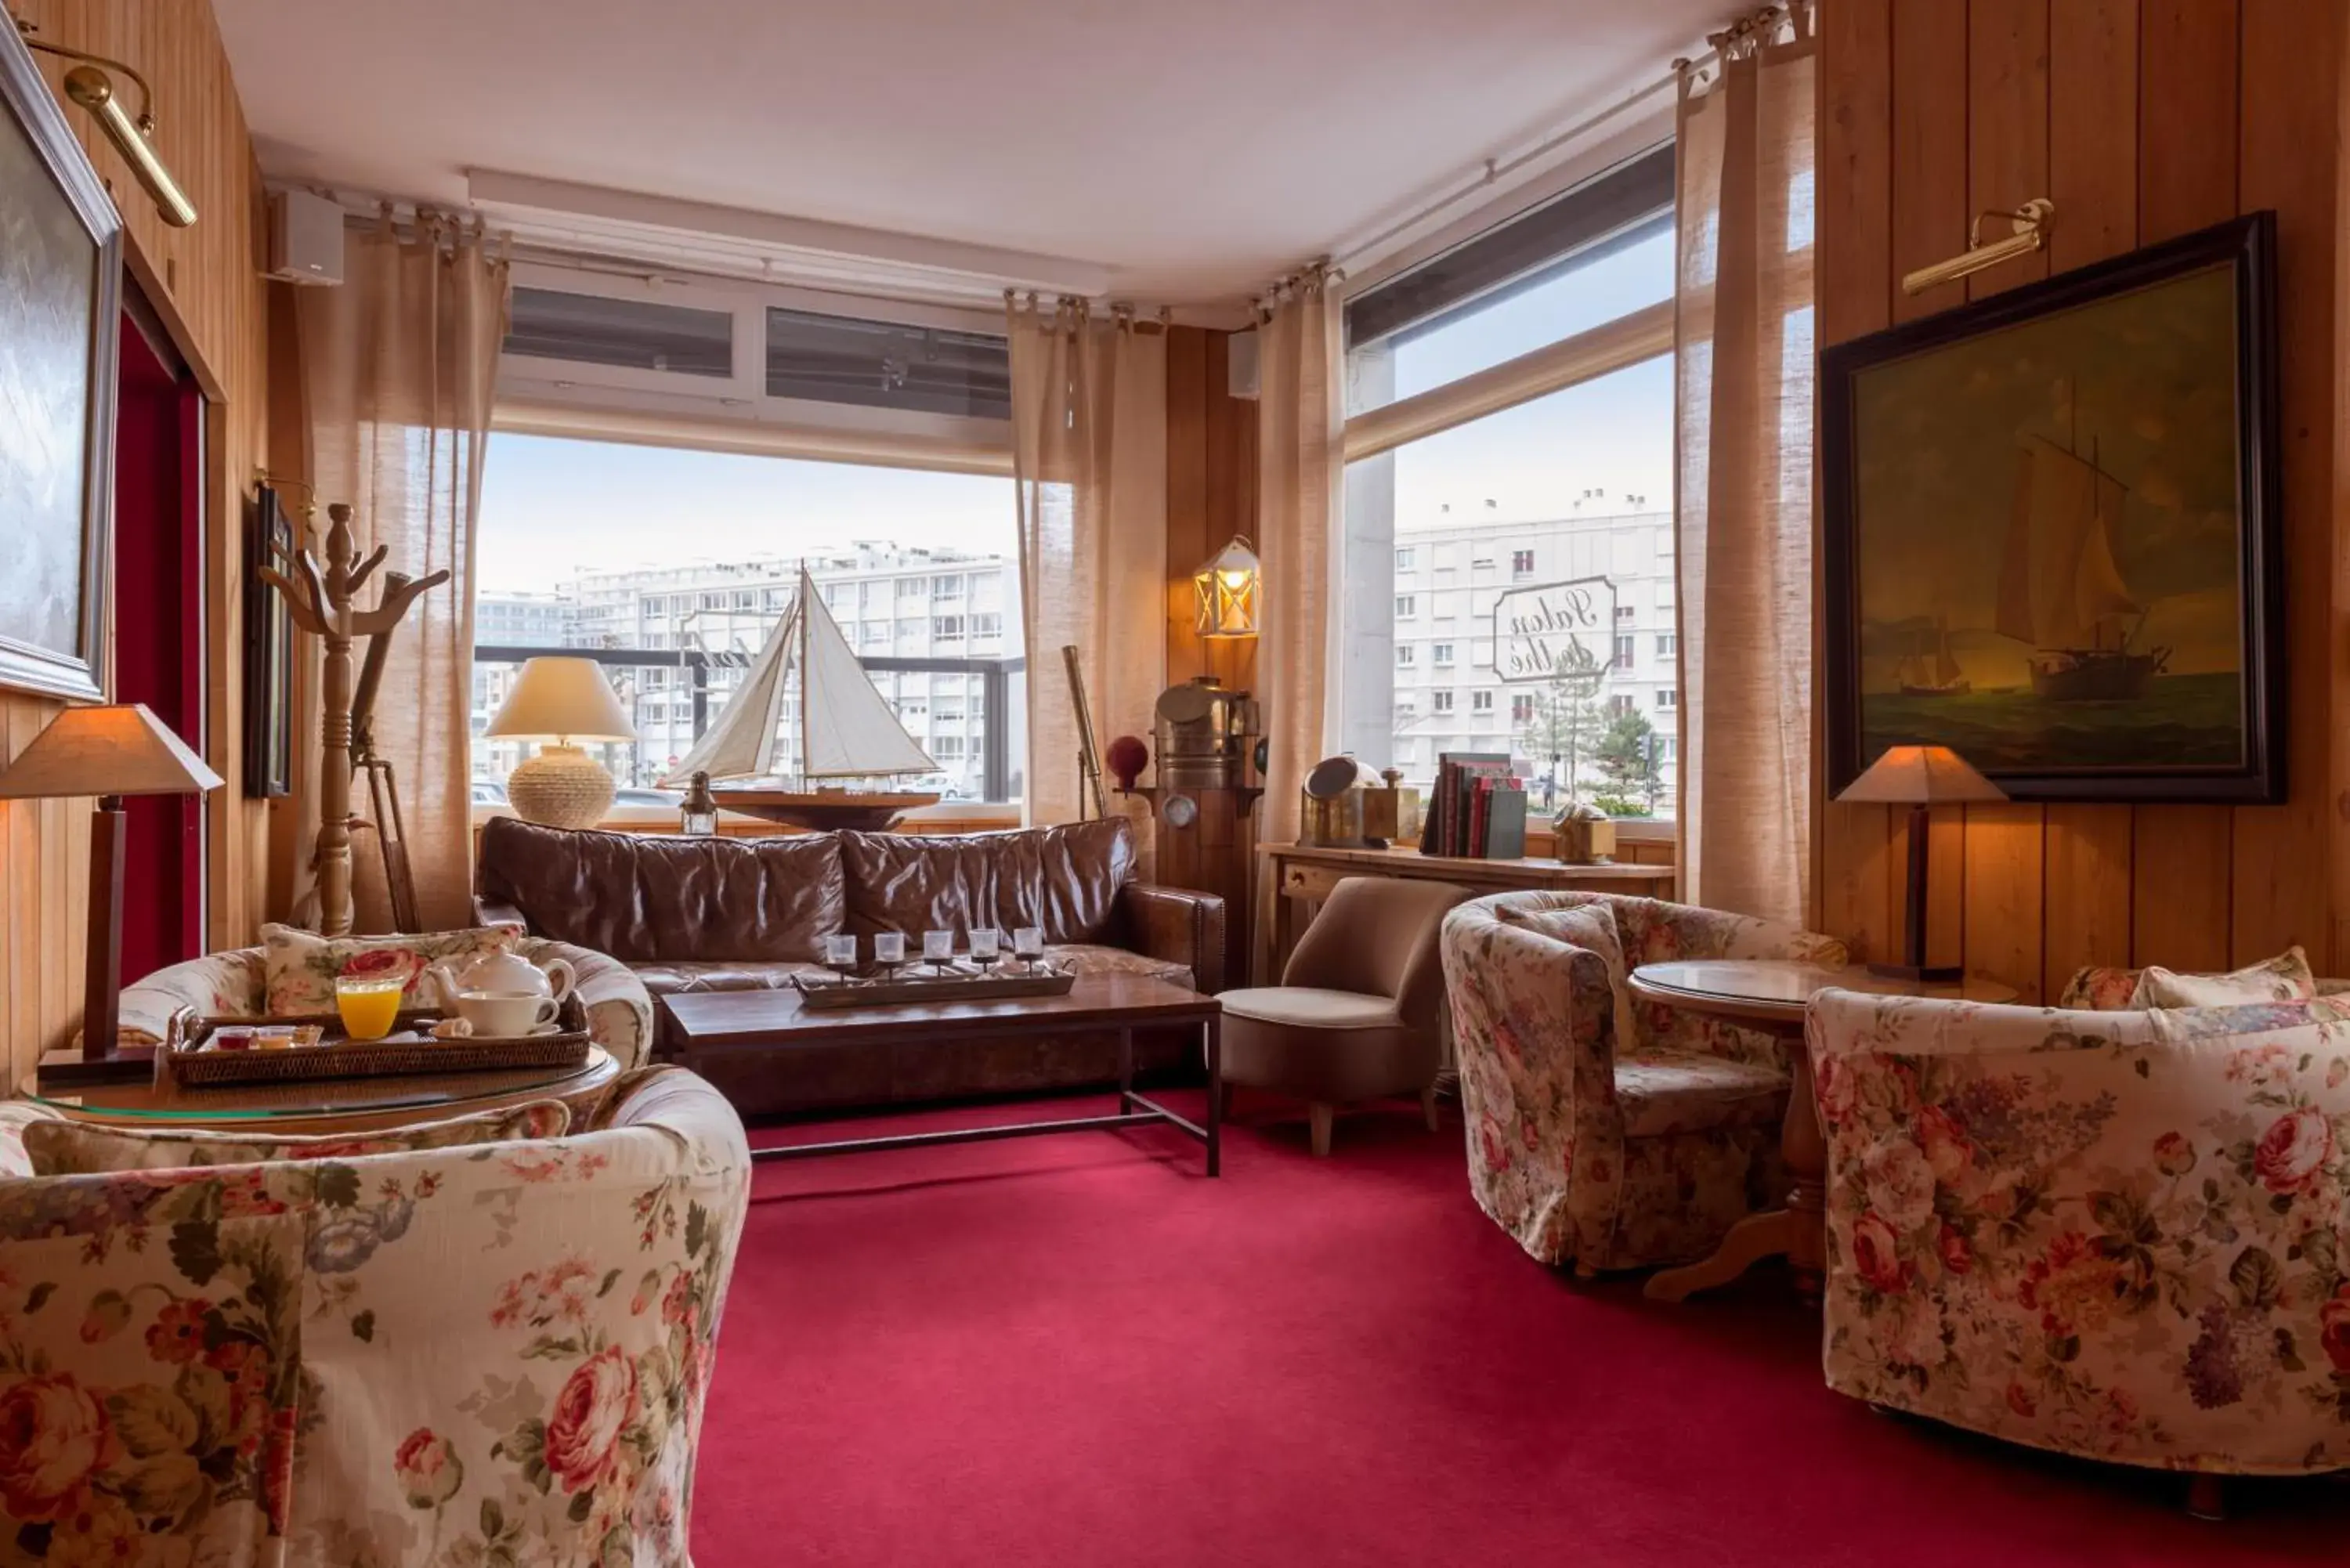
x,y
509,620
891,602
1453,572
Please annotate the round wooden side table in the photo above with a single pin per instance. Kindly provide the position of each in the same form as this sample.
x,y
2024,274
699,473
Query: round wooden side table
x,y
333,1105
1770,996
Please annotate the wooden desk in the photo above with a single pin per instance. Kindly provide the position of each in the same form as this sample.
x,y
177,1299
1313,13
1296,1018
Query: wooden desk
x,y
1293,879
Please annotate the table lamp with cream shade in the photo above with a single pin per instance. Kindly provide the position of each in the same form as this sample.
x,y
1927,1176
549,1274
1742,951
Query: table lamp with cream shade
x,y
559,700
107,753
1918,777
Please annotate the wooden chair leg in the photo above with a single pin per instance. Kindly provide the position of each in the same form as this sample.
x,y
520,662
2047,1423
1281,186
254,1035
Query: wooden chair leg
x,y
1428,1108
1318,1116
2207,1495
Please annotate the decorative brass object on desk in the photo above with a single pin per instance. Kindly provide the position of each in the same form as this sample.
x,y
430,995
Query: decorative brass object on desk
x,y
1330,804
1390,812
1584,835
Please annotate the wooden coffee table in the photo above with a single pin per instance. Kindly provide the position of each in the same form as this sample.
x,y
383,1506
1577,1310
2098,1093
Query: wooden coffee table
x,y
720,1023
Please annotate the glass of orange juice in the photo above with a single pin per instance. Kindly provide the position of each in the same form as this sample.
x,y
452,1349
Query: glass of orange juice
x,y
369,1006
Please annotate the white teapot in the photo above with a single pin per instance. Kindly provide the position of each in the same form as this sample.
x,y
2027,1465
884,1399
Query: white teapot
x,y
500,974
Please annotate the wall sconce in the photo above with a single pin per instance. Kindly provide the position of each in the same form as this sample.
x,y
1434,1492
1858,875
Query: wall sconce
x,y
2030,226
89,84
1226,588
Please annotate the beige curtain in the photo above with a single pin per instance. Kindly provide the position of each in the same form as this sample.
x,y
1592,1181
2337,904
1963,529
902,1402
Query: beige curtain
x,y
1089,444
398,365
1301,413
1744,373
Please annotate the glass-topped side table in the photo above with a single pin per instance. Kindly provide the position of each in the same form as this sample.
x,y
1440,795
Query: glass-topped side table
x,y
1770,995
333,1105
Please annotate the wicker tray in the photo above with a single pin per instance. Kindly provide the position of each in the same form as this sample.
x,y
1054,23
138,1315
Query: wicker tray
x,y
960,982
186,1065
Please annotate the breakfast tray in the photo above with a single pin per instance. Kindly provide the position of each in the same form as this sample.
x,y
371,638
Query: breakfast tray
x,y
961,982
185,1061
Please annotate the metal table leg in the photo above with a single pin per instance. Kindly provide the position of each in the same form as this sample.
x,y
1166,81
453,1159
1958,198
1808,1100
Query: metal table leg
x,y
1213,1032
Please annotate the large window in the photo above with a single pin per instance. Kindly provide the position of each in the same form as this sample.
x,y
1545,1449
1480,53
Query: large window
x,y
690,558
1511,428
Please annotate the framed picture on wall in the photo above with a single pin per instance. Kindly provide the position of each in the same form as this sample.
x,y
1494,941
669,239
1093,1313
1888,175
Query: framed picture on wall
x,y
2050,531
60,300
268,651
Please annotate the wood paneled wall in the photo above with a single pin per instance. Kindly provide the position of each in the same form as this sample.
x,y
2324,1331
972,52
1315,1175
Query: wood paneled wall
x,y
2142,120
1210,495
205,284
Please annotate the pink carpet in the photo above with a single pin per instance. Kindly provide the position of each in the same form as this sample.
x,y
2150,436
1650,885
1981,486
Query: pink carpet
x,y
1078,1351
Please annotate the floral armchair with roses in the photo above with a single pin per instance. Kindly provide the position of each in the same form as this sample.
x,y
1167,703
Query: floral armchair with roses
x,y
2123,1235
452,1357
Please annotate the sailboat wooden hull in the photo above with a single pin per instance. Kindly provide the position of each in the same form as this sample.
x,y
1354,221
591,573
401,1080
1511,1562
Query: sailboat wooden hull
x,y
824,811
1955,689
2094,675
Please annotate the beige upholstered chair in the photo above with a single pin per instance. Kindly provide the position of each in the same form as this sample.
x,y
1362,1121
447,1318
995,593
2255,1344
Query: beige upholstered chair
x,y
1358,1012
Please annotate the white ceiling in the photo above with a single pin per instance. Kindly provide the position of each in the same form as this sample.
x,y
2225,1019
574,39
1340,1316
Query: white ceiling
x,y
1189,150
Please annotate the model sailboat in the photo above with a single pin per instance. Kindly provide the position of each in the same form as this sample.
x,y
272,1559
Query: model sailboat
x,y
845,728
2060,592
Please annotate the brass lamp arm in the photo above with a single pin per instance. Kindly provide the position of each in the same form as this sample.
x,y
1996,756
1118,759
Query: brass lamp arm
x,y
146,117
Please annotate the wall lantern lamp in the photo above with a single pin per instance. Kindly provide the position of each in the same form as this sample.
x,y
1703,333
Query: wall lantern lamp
x,y
1226,588
89,84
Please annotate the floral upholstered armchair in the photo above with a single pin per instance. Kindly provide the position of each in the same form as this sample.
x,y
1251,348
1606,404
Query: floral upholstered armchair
x,y
235,984
1602,1132
472,1355
2118,1234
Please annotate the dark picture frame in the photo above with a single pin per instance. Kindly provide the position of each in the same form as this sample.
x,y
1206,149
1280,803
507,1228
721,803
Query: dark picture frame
x,y
2021,646
60,309
268,651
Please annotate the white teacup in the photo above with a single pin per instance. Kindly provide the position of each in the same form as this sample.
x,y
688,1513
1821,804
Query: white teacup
x,y
505,1014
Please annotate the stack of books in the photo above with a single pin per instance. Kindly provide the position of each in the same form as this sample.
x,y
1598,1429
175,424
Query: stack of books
x,y
1478,809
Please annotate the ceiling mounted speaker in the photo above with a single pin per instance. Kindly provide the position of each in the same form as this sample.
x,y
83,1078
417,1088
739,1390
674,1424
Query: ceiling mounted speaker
x,y
305,237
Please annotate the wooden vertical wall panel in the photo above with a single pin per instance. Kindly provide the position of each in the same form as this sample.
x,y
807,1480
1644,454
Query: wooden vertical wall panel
x,y
2180,857
1855,194
2007,164
2289,152
1929,216
2093,114
2187,122
2188,68
1187,492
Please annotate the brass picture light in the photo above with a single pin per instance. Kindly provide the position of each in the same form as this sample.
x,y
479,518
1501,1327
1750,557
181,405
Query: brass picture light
x,y
89,84
2030,224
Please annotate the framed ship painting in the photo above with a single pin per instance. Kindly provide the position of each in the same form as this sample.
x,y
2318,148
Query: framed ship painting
x,y
2050,534
60,281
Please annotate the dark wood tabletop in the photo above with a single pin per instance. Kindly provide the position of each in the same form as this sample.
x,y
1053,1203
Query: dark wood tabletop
x,y
775,1017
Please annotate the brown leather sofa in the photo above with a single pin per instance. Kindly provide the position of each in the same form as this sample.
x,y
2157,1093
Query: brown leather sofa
x,y
728,914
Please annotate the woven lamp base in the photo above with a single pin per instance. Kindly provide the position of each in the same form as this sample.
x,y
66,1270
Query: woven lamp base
x,y
562,787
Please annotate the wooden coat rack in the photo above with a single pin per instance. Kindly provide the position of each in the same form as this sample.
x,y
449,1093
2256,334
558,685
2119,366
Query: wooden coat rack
x,y
324,605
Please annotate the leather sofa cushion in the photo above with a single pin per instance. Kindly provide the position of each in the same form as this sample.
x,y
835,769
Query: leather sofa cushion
x,y
646,898
1065,879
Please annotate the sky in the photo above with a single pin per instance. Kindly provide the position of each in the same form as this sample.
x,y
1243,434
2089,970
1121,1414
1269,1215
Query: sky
x,y
552,508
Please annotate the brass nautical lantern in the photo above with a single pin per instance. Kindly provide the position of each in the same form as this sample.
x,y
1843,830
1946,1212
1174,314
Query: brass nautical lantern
x,y
1226,589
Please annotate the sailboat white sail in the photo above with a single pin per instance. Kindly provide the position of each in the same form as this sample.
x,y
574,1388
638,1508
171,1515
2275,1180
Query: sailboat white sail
x,y
847,729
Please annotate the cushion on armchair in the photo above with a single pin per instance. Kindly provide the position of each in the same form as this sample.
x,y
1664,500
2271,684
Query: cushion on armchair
x,y
62,1147
302,966
1592,928
2107,988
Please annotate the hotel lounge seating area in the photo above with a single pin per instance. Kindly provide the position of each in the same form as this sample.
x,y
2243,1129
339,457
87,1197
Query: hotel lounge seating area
x,y
1310,784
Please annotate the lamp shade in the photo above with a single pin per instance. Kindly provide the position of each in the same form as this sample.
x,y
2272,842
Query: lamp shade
x,y
1226,589
1920,776
117,749
561,698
